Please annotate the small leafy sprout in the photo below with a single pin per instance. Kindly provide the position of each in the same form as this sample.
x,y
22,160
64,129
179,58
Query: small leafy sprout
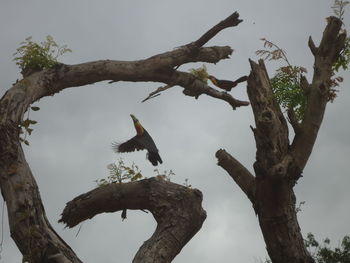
x,y
339,8
270,53
344,57
298,209
120,173
24,126
186,184
323,253
165,175
31,56
200,73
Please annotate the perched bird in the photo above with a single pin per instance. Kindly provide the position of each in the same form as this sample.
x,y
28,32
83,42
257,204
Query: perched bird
x,y
226,84
141,141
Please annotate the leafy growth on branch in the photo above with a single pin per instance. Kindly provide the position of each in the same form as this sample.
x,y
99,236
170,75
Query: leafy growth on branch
x,y
343,60
187,184
287,89
286,84
339,8
166,175
271,54
344,57
33,56
24,126
200,73
121,173
324,253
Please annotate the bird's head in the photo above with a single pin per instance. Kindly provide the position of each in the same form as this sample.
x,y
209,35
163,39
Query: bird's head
x,y
134,118
213,79
137,124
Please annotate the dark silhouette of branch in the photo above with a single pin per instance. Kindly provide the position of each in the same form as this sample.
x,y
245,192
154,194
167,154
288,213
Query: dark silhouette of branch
x,y
157,92
29,227
325,55
243,178
176,208
230,21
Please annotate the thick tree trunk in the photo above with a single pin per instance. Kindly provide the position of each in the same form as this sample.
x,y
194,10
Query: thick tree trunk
x,y
29,227
279,164
278,222
275,174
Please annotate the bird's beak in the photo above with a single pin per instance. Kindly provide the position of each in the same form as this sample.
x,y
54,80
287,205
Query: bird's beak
x,y
133,118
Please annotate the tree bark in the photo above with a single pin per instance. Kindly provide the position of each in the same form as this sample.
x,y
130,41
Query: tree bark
x,y
279,164
176,208
29,227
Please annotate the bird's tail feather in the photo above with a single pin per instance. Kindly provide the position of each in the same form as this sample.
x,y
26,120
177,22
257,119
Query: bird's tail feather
x,y
115,147
154,158
241,79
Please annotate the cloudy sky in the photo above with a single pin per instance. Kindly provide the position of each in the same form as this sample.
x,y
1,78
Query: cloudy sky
x,y
70,146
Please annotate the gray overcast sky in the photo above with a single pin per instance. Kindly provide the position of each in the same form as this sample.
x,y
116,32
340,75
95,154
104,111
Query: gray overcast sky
x,y
70,146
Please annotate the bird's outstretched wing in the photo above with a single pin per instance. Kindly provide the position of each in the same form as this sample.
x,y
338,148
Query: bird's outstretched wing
x,y
128,146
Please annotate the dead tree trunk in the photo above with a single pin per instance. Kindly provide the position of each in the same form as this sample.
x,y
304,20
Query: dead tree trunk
x,y
279,164
29,227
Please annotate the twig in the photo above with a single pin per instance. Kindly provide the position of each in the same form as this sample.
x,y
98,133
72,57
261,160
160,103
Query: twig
x,y
157,92
230,21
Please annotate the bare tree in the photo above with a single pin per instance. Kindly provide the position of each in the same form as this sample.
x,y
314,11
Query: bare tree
x,y
177,209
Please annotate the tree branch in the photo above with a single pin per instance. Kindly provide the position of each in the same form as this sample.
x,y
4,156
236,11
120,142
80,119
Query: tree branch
x,y
33,234
312,46
304,85
243,178
325,55
271,133
195,87
157,92
230,21
293,121
177,210
29,226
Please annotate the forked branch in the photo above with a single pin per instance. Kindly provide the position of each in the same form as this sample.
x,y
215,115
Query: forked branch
x,y
176,208
325,54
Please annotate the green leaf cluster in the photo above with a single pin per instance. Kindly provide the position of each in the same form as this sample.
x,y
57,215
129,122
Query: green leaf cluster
x,y
34,56
343,60
287,90
323,253
121,173
166,175
339,8
200,73
25,126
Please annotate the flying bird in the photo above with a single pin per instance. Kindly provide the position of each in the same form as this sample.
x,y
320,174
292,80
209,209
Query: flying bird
x,y
142,141
226,84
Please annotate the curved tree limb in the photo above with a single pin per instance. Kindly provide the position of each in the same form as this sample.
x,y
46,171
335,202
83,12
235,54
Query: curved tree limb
x,y
30,229
177,210
243,178
332,43
29,226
